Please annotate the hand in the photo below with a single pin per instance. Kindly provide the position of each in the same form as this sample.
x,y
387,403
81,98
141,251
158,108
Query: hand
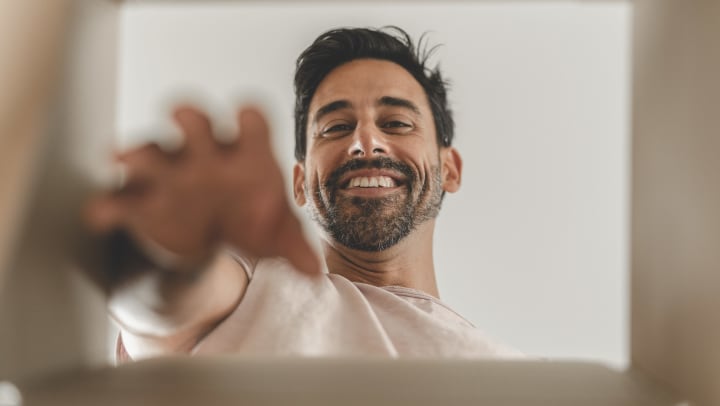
x,y
190,201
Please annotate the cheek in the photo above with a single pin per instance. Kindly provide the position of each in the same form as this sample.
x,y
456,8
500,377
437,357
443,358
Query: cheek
x,y
432,173
324,161
428,160
314,184
310,181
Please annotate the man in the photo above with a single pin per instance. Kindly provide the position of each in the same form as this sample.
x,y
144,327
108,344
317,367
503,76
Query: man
x,y
374,160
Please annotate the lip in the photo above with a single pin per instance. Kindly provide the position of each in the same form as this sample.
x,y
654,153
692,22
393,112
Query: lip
x,y
398,178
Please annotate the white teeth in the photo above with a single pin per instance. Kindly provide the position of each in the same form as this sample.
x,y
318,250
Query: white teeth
x,y
373,181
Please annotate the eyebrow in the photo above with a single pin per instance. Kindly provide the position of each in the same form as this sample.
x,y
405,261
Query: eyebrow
x,y
330,107
383,101
398,102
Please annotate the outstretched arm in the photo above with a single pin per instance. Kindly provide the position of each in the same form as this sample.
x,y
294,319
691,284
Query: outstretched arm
x,y
181,206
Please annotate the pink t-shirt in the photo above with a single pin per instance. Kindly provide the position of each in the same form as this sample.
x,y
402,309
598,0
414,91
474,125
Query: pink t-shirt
x,y
285,312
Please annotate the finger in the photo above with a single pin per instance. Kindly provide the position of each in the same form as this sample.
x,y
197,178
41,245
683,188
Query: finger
x,y
254,130
147,152
134,182
197,130
294,246
146,162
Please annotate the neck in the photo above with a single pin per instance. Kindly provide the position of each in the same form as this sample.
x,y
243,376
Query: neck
x,y
408,263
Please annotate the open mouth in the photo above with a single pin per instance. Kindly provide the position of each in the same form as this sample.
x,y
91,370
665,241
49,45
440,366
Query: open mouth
x,y
371,186
371,179
376,178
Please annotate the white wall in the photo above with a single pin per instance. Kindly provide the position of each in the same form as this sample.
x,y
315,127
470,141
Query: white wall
x,y
533,249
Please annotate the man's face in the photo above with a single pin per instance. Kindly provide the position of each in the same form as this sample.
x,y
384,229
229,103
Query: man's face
x,y
373,170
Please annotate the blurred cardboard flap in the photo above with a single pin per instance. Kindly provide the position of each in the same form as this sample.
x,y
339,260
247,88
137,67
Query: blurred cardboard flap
x,y
227,380
30,58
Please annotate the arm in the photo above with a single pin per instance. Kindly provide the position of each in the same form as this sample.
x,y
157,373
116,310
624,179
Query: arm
x,y
165,312
180,207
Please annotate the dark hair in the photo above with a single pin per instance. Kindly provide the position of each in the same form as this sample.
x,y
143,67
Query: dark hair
x,y
339,46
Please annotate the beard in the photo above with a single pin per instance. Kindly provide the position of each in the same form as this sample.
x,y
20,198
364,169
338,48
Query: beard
x,y
378,223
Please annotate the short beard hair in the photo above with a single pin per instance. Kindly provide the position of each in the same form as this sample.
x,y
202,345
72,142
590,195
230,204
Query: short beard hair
x,y
375,224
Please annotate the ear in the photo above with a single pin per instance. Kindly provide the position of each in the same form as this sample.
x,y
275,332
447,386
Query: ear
x,y
451,169
299,183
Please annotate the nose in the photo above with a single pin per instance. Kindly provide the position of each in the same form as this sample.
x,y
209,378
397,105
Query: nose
x,y
367,141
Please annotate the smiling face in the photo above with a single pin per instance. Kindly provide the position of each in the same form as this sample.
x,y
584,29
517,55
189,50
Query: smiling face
x,y
373,170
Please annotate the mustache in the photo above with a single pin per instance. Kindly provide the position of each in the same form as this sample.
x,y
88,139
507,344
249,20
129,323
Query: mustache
x,y
375,163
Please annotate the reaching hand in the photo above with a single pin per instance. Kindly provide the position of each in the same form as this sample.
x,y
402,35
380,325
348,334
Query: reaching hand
x,y
190,201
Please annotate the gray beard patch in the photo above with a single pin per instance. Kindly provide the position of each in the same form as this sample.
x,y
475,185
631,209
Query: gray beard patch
x,y
376,224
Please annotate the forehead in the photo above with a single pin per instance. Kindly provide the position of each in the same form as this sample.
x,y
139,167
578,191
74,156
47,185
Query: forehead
x,y
364,81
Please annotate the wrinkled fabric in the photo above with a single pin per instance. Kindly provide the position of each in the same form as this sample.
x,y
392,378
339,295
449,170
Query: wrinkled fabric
x,y
285,312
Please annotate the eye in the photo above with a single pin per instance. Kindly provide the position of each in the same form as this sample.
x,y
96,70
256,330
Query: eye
x,y
397,126
337,129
